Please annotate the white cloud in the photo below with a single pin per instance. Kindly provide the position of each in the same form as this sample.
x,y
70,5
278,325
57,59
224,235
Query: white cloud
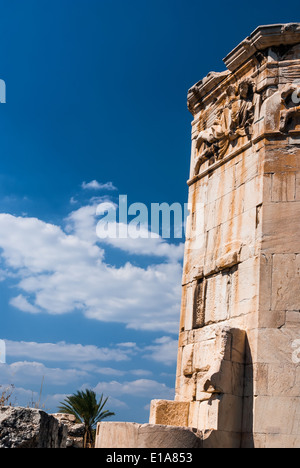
x,y
82,223
109,371
32,373
139,388
140,241
21,303
132,239
119,373
59,273
64,352
164,350
95,185
141,372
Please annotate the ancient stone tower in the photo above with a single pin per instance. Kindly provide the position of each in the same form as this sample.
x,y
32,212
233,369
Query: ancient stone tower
x,y
238,374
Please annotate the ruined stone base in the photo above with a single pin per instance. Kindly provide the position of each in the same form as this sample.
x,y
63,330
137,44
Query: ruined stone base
x,y
122,435
132,435
30,428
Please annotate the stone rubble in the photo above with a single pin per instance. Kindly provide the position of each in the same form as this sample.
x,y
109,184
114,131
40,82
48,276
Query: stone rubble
x,y
30,428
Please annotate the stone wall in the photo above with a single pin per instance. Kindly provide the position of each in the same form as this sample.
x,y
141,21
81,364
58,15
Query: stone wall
x,y
238,373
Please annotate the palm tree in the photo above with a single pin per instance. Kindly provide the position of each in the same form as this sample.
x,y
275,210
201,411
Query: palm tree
x,y
86,409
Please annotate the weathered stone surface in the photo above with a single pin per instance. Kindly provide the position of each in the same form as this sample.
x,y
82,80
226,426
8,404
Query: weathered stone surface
x,y
170,413
262,38
239,341
132,435
30,428
75,430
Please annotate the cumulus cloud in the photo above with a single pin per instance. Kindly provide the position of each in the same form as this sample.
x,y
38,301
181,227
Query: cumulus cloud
x,y
59,273
138,388
140,241
95,185
21,303
65,352
132,239
32,373
164,350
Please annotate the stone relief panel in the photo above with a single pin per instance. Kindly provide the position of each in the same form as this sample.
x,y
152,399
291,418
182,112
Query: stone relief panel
x,y
231,121
290,115
266,100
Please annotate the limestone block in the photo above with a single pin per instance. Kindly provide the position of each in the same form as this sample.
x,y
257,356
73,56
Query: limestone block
x,y
284,187
297,190
203,355
293,316
256,379
187,388
280,234
253,193
131,435
221,440
187,360
244,288
169,413
208,415
183,338
267,188
227,260
247,167
189,307
222,412
194,414
276,415
236,386
227,179
117,435
283,380
271,318
227,377
210,218
281,441
228,206
216,306
219,364
230,413
271,111
276,345
179,362
243,227
184,310
250,441
276,163
213,250
238,343
265,281
285,282
247,419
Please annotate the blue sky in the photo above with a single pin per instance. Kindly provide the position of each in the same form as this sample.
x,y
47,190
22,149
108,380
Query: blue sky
x,y
96,91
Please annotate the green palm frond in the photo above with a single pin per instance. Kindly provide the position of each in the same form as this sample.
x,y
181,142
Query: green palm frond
x,y
87,410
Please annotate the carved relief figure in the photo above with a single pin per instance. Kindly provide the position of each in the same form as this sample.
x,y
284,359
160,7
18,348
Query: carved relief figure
x,y
233,120
291,101
242,111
